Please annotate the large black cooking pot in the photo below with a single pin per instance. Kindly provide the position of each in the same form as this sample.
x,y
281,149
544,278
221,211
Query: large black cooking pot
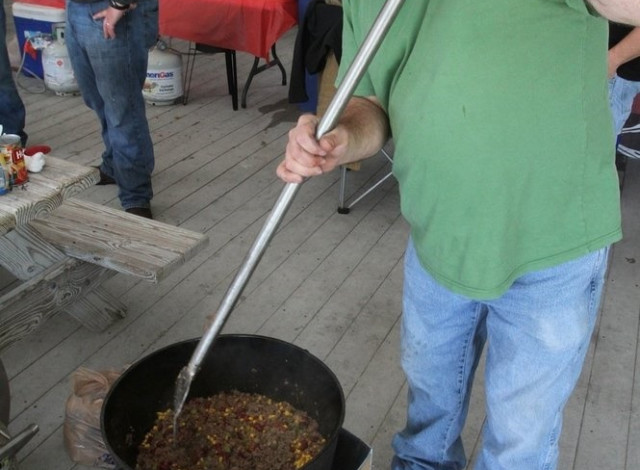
x,y
248,363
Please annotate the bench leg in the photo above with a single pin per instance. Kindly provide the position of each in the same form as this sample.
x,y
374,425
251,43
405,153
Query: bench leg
x,y
26,255
28,306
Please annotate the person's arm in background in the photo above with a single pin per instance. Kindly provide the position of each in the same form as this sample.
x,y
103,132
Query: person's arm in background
x,y
363,129
624,51
620,11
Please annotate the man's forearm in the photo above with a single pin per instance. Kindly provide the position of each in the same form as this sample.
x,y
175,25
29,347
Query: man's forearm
x,y
621,11
627,49
368,126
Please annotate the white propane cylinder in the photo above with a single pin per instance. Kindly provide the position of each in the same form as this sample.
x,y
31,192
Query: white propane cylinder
x,y
163,85
56,67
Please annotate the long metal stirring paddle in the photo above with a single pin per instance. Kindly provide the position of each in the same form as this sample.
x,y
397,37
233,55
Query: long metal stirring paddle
x,y
329,120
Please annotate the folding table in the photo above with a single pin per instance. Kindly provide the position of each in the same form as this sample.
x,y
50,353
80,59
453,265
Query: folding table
x,y
251,26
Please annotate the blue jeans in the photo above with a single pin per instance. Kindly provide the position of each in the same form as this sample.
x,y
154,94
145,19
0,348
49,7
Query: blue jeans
x,y
110,75
621,95
537,335
12,112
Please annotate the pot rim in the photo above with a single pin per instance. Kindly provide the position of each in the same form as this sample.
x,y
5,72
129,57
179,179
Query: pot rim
x,y
331,439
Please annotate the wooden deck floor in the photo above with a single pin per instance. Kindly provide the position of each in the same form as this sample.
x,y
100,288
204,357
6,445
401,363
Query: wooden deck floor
x,y
328,282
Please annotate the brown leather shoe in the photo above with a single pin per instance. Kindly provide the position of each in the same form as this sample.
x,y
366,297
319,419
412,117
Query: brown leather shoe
x,y
140,211
104,178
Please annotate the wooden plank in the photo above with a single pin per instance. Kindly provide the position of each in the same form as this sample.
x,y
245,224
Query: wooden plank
x,y
44,192
119,241
7,221
28,201
67,177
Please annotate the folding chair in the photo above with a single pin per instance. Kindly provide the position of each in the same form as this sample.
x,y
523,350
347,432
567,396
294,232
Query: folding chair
x,y
344,207
326,91
232,71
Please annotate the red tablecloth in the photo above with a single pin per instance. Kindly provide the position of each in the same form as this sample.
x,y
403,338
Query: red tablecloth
x,y
243,25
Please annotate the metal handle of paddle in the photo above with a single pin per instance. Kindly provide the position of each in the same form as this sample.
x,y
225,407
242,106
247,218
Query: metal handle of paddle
x,y
327,123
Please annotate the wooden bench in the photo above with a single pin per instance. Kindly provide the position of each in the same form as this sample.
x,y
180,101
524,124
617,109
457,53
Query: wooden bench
x,y
119,241
65,255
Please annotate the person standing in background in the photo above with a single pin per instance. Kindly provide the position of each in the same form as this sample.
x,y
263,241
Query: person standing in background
x,y
108,43
12,112
624,81
624,71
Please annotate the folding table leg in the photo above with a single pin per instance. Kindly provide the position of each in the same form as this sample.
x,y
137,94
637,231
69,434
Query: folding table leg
x,y
255,70
276,60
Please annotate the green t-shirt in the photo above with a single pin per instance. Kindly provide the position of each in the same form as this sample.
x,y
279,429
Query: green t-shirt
x,y
504,149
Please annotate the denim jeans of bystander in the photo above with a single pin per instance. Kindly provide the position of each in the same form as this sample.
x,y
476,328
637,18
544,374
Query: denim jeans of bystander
x,y
621,95
12,111
110,75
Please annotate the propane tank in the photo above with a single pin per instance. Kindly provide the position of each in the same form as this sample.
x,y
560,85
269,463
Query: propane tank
x,y
163,85
56,66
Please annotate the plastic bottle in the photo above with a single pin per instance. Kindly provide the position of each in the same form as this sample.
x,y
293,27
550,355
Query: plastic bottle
x,y
4,176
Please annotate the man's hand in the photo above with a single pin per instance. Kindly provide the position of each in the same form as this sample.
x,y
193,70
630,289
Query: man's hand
x,y
111,17
305,156
363,129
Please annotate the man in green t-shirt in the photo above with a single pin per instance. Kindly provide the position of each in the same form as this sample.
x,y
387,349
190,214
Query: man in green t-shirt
x,y
502,134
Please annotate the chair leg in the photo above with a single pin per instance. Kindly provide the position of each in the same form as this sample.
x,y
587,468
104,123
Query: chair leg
x,y
232,77
186,85
342,208
368,191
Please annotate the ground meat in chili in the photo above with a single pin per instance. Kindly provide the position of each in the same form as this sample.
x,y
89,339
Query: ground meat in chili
x,y
232,431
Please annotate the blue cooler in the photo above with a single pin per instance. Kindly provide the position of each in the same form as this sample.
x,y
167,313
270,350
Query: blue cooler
x,y
32,22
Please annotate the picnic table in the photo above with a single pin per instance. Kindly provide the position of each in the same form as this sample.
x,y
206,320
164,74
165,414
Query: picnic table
x,y
61,249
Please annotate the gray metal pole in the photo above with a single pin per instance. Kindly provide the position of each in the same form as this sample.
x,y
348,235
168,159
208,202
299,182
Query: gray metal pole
x,y
329,120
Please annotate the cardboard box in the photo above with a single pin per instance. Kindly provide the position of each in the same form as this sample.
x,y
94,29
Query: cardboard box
x,y
351,453
32,22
